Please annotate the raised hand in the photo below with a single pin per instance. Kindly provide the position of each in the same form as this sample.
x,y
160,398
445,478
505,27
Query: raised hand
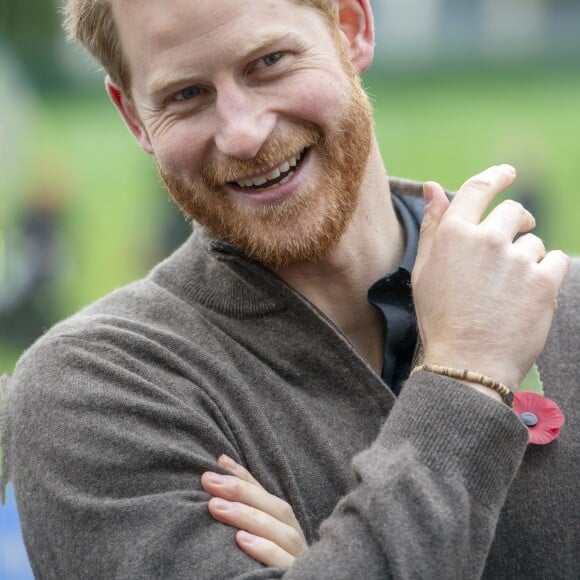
x,y
484,301
269,531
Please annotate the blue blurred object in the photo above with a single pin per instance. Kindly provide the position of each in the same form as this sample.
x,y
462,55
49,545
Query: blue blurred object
x,y
13,559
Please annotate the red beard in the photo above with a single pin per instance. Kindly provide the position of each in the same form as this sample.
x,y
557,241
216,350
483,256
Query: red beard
x,y
305,227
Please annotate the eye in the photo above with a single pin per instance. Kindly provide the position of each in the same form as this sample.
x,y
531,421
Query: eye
x,y
271,59
188,93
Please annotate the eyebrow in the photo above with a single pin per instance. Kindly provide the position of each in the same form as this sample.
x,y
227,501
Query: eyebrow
x,y
162,82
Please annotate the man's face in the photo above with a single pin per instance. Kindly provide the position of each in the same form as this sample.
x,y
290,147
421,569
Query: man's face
x,y
258,124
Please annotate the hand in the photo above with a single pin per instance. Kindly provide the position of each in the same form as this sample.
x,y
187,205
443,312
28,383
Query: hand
x,y
269,531
483,301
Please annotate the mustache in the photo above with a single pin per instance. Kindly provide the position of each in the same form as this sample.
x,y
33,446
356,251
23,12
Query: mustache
x,y
271,154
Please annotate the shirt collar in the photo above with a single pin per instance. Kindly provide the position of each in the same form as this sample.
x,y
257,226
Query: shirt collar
x,y
411,227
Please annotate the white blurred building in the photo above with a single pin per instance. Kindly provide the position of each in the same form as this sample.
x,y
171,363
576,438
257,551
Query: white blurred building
x,y
429,31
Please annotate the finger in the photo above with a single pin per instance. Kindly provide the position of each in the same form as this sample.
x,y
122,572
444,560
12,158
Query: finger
x,y
531,246
259,523
436,204
554,267
475,195
508,219
265,551
237,469
237,490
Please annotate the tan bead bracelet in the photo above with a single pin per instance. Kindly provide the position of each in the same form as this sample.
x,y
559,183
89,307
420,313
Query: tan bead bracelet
x,y
471,377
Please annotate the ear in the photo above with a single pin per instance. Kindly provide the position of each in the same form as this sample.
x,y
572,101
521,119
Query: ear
x,y
127,110
357,25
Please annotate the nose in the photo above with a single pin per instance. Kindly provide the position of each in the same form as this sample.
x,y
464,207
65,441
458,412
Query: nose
x,y
244,122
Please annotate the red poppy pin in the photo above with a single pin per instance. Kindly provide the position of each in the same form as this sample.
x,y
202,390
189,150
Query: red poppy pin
x,y
541,416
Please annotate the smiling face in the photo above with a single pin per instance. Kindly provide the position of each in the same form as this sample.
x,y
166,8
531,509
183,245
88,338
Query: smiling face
x,y
255,115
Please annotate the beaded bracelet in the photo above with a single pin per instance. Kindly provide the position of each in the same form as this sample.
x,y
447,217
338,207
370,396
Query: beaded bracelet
x,y
471,377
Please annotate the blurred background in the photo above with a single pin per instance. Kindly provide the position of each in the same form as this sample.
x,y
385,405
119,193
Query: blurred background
x,y
457,86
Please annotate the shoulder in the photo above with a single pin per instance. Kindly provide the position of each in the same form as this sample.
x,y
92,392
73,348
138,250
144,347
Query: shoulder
x,y
572,282
559,363
568,312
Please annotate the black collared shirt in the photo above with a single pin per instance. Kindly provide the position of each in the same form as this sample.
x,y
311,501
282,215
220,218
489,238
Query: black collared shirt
x,y
392,296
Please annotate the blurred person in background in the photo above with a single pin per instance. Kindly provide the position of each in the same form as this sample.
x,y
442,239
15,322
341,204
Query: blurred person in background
x,y
272,400
33,262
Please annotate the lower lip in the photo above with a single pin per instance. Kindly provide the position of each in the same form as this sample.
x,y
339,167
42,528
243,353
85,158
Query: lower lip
x,y
272,195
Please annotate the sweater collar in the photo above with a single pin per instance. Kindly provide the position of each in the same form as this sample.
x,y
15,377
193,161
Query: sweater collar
x,y
217,274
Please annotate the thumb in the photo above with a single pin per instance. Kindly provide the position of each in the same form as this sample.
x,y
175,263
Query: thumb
x,y
436,204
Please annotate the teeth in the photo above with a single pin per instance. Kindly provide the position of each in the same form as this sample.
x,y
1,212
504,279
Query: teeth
x,y
275,174
260,181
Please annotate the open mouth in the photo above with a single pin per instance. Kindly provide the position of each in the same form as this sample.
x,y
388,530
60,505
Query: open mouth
x,y
274,178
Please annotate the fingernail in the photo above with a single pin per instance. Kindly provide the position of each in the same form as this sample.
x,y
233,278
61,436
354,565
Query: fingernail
x,y
222,504
246,537
216,477
228,461
508,168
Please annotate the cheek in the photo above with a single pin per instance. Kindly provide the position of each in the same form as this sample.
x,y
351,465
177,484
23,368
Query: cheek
x,y
319,99
180,151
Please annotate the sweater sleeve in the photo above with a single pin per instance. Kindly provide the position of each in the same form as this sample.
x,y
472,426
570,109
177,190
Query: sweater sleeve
x,y
431,488
106,468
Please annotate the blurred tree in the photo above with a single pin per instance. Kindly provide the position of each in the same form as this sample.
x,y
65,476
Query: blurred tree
x,y
29,29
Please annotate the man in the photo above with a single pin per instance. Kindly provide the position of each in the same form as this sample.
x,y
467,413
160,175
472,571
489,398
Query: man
x,y
260,341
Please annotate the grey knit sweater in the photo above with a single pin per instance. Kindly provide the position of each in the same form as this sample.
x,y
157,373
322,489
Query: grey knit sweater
x,y
112,416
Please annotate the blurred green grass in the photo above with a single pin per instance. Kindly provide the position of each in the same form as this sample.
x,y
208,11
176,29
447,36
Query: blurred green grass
x,y
448,127
442,127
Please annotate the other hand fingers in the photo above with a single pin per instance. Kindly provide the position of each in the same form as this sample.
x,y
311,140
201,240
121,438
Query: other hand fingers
x,y
237,469
265,551
475,195
235,489
259,523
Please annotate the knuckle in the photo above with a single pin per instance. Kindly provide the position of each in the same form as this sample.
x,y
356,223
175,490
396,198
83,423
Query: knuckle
x,y
494,237
255,514
234,488
295,540
564,258
286,512
515,206
478,183
521,260
534,239
450,229
539,244
246,513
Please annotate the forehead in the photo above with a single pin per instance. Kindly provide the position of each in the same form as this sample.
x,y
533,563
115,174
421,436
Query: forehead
x,y
153,30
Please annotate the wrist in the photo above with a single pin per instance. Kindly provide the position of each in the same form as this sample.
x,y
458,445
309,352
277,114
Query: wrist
x,y
501,368
473,379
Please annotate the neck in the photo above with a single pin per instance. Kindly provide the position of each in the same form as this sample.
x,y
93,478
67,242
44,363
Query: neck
x,y
372,245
